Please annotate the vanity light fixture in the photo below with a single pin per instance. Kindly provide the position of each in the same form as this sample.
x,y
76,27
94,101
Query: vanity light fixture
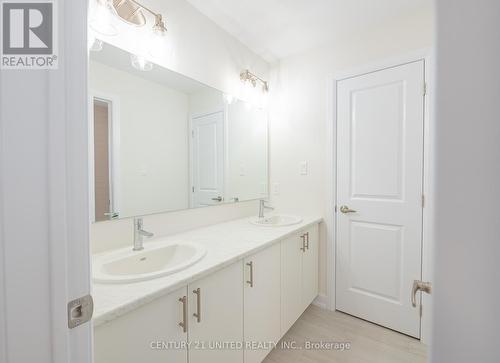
x,y
140,63
247,76
94,44
132,13
100,20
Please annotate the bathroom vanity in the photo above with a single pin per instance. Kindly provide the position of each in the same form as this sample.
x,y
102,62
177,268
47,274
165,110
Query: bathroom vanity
x,y
231,306
163,142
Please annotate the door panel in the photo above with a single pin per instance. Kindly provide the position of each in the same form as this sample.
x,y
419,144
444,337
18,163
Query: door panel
x,y
138,336
291,282
208,159
310,266
221,317
262,301
380,167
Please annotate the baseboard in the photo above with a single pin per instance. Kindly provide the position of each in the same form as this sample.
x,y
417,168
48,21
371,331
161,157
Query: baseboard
x,y
321,301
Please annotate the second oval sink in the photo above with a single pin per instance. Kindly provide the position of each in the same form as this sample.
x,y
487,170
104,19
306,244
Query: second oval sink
x,y
126,266
277,221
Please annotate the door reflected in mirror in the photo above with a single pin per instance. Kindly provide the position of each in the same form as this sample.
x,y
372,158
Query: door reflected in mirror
x,y
164,142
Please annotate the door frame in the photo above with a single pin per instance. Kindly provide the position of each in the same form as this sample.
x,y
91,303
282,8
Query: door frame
x,y
425,55
113,102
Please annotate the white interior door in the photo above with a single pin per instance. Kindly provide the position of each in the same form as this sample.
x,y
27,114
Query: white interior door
x,y
208,159
380,118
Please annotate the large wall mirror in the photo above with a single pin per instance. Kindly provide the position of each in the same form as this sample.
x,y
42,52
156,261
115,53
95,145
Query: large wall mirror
x,y
164,142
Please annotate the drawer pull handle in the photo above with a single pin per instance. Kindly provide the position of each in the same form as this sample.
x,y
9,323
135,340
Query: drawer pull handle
x,y
303,248
197,315
183,323
250,282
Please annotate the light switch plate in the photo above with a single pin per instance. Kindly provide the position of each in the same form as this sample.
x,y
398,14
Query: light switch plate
x,y
303,168
276,188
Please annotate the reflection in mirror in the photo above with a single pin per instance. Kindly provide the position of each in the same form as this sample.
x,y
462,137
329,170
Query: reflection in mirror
x,y
164,142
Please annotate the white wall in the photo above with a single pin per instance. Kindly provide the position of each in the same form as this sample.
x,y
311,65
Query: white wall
x,y
153,151
300,111
194,46
246,152
197,48
467,270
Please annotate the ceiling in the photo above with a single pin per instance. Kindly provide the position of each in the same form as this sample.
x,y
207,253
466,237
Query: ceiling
x,y
276,29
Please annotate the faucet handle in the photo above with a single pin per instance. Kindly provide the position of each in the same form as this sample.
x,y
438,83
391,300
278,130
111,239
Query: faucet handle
x,y
138,222
265,204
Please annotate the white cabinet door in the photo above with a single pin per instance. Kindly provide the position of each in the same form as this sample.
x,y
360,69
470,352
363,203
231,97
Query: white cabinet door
x,y
262,302
216,317
380,154
310,266
138,336
291,281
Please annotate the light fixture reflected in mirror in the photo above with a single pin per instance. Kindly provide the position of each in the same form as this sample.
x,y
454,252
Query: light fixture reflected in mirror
x,y
228,99
94,44
141,63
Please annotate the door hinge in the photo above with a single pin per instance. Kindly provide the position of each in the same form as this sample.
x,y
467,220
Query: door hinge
x,y
425,88
80,311
192,133
421,310
192,189
335,209
423,201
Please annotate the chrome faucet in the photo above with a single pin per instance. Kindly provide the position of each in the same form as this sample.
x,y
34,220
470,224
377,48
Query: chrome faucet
x,y
139,233
263,207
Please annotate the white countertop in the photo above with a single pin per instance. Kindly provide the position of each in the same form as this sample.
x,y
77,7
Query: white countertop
x,y
226,243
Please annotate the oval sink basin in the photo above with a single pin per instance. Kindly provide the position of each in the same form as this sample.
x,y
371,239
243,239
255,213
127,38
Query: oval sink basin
x,y
126,266
277,221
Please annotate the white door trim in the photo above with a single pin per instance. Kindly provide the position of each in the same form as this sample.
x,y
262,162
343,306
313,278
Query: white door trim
x,y
114,153
331,176
68,214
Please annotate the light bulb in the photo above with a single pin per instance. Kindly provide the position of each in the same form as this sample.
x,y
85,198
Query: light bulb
x,y
94,44
228,98
100,20
140,63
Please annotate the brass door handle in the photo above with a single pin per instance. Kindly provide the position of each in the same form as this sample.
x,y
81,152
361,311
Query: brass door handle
x,y
197,315
218,199
183,323
345,209
419,286
250,282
